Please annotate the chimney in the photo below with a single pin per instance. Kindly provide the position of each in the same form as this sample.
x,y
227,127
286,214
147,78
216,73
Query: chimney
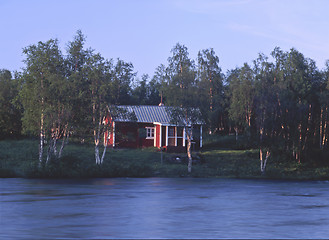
x,y
161,104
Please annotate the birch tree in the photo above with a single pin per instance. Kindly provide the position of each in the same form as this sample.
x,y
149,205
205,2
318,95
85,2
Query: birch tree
x,y
181,79
187,117
210,85
42,84
108,84
290,102
98,73
180,92
123,76
242,98
264,109
324,110
78,96
298,86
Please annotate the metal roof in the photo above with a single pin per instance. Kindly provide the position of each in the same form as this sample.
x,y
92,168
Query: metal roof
x,y
145,114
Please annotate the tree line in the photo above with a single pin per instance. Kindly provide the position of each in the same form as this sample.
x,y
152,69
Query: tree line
x,y
278,103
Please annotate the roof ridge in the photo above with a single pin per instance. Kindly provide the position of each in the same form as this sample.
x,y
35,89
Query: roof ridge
x,y
140,106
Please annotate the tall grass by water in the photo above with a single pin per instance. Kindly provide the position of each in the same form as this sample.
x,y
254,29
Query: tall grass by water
x,y
220,157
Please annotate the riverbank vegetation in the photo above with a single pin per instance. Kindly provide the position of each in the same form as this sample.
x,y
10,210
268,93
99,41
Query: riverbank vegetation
x,y
276,108
18,158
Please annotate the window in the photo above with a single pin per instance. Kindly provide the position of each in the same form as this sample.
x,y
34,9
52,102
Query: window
x,y
149,132
171,132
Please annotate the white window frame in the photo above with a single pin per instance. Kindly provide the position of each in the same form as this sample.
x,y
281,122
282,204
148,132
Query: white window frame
x,y
150,132
173,131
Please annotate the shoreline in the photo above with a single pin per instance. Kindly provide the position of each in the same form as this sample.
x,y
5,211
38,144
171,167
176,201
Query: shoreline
x,y
18,160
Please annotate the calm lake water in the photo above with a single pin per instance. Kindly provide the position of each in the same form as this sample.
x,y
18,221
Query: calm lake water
x,y
163,208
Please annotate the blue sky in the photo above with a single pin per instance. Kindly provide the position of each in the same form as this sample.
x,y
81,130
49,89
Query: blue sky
x,y
144,31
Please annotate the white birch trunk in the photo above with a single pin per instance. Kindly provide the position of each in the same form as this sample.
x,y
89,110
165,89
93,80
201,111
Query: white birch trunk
x,y
98,161
189,149
308,127
50,150
42,131
55,146
189,155
41,139
104,151
96,137
324,135
97,134
64,141
62,147
267,156
236,134
299,142
263,162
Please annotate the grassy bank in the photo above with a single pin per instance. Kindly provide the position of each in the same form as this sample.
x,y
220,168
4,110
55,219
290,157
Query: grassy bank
x,y
19,159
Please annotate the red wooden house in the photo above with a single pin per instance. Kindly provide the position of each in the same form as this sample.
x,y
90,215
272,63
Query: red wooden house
x,y
150,127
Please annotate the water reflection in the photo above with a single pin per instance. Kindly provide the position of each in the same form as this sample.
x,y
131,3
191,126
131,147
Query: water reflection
x,y
163,208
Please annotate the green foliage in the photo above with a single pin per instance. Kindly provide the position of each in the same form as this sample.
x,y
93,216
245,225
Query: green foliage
x,y
280,105
179,79
211,89
146,92
242,97
10,115
42,83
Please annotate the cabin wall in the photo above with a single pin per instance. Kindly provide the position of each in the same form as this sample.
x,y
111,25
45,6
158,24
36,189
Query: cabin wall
x,y
134,135
131,135
143,141
126,135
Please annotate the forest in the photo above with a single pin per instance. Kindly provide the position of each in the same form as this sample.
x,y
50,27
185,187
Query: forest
x,y
278,104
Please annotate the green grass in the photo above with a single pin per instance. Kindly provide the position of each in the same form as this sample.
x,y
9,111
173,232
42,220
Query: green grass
x,y
18,158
